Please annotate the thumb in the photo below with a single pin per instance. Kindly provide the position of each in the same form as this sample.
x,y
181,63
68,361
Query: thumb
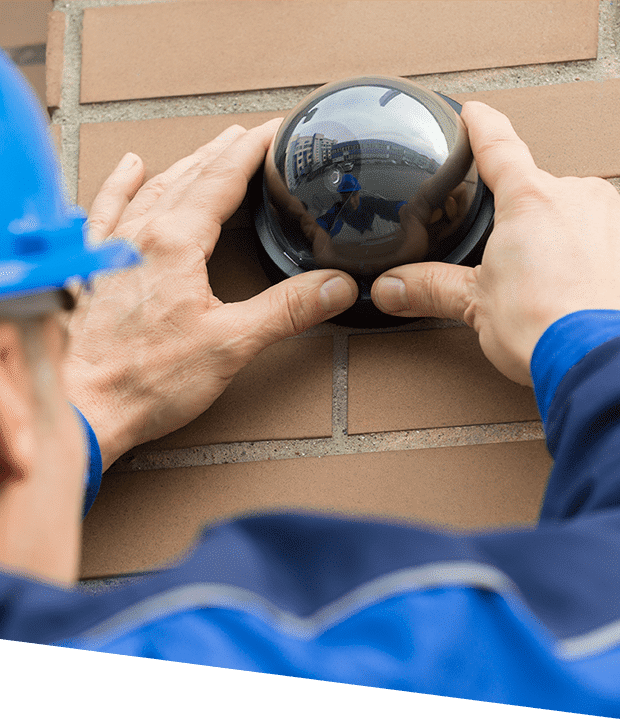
x,y
425,289
294,305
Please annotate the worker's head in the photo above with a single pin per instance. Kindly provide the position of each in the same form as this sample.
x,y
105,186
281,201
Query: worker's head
x,y
349,189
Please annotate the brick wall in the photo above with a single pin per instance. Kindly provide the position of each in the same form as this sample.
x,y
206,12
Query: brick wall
x,y
409,423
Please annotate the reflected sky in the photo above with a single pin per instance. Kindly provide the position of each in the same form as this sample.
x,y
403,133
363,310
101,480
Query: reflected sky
x,y
361,115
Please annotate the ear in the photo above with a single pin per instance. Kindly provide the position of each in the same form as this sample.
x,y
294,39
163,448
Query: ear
x,y
17,431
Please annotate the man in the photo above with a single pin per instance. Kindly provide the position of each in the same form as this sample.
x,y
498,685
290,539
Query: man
x,y
529,617
357,212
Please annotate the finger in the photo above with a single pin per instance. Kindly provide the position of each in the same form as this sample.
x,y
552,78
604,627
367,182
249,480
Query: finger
x,y
221,186
504,161
153,189
425,289
290,307
113,197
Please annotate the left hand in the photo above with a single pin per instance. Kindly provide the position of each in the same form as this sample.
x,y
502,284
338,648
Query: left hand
x,y
151,348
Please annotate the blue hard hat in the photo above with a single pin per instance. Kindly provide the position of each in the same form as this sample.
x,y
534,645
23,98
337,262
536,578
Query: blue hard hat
x,y
349,184
43,242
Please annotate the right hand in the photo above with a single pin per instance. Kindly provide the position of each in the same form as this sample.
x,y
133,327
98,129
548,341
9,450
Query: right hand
x,y
555,249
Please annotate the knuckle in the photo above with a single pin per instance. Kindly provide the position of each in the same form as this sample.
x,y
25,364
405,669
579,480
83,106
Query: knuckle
x,y
100,224
430,286
98,219
498,145
536,190
446,293
156,234
155,186
228,171
225,167
293,309
236,129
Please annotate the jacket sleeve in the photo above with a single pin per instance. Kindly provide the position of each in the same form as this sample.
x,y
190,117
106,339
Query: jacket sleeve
x,y
576,373
566,568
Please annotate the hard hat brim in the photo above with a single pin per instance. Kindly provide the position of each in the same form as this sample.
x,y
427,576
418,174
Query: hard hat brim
x,y
22,277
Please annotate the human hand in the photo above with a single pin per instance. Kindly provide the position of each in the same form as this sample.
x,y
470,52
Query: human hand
x,y
555,249
152,348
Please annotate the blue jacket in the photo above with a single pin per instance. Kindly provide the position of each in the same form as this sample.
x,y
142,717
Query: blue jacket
x,y
528,616
362,218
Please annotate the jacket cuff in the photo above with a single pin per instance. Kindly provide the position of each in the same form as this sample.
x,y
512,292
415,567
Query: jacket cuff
x,y
563,345
94,468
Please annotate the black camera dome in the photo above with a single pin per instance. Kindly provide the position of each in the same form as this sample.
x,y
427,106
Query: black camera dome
x,y
366,174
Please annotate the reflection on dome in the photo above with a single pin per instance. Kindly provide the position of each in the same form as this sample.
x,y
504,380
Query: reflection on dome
x,y
411,177
366,174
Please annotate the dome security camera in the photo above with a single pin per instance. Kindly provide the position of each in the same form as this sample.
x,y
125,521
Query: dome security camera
x,y
366,174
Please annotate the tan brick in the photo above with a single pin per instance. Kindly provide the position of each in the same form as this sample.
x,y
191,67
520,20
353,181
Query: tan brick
x,y
181,48
160,143
429,378
285,392
23,23
142,519
54,58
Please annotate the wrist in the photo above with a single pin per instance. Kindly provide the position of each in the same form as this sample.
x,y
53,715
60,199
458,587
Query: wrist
x,y
112,437
101,398
109,435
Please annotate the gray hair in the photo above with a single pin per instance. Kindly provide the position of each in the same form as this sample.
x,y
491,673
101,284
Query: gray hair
x,y
29,315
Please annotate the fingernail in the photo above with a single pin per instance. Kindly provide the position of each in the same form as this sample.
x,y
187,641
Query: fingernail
x,y
336,295
391,295
127,162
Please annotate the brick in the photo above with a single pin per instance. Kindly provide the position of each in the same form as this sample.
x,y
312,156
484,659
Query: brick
x,y
429,378
285,392
570,128
181,48
54,57
143,519
23,23
160,143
